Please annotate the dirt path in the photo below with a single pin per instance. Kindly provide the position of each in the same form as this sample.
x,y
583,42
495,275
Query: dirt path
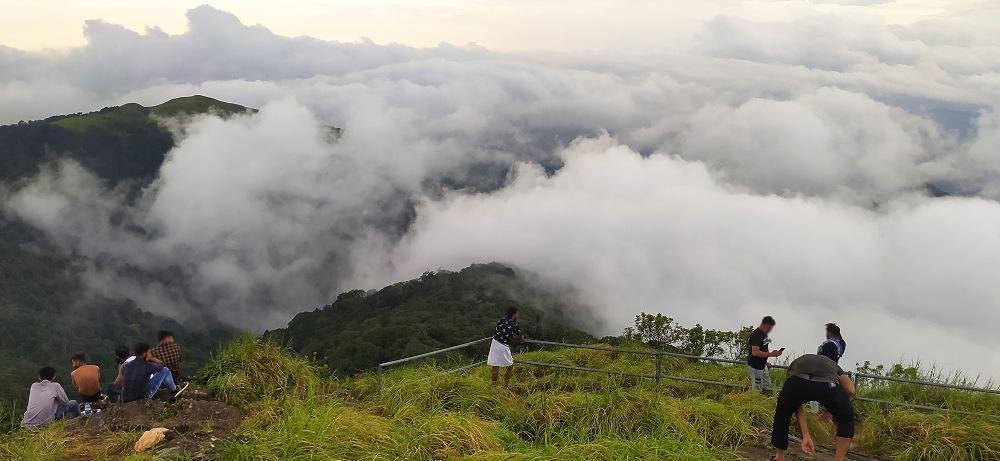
x,y
823,453
196,426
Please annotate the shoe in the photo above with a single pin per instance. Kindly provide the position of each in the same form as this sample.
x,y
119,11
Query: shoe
x,y
181,389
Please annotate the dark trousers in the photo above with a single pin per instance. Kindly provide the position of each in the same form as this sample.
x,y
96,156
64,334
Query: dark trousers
x,y
90,398
796,392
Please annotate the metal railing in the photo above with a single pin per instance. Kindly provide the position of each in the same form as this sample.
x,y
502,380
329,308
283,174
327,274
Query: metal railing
x,y
378,373
659,375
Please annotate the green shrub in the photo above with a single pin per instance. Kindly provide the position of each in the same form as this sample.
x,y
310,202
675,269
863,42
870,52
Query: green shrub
x,y
908,435
248,370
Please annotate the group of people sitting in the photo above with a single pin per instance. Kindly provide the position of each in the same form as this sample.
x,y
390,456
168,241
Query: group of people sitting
x,y
142,374
812,378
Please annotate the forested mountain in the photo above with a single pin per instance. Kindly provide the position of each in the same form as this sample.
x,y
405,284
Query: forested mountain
x,y
437,310
46,312
116,143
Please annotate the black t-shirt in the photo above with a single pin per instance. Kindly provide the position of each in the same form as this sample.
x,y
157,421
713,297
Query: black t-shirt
x,y
757,338
507,331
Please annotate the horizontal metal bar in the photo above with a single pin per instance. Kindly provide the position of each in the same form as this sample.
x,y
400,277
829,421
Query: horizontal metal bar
x,y
698,357
925,407
929,383
432,353
641,352
622,373
463,368
705,381
596,348
592,370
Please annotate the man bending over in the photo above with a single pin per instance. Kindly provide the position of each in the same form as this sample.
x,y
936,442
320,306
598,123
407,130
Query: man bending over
x,y
815,377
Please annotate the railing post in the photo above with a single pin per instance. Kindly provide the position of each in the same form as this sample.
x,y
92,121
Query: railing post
x,y
659,366
378,379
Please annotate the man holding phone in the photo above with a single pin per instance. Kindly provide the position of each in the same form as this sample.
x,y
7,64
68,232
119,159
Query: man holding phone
x,y
757,355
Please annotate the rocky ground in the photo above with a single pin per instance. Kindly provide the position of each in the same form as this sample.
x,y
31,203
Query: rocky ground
x,y
196,425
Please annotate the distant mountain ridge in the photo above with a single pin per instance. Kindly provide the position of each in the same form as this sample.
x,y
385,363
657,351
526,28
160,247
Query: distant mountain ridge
x,y
116,143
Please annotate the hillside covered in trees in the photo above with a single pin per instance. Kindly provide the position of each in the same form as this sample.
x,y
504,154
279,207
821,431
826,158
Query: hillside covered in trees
x,y
47,313
437,310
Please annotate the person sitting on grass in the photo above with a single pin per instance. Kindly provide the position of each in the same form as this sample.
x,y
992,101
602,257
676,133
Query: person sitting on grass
x,y
143,376
87,379
815,377
114,388
500,356
168,352
47,401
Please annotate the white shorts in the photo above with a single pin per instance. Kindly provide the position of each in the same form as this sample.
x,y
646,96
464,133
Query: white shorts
x,y
500,355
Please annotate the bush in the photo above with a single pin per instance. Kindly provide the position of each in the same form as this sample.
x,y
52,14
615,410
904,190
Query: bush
x,y
247,371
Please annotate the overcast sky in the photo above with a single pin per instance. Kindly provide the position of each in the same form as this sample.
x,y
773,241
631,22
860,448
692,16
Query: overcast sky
x,y
712,160
564,25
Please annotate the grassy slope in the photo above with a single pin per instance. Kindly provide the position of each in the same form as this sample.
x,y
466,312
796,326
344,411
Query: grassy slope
x,y
127,116
544,415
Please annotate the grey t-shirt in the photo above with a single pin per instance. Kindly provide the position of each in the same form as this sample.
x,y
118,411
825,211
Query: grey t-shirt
x,y
816,367
43,401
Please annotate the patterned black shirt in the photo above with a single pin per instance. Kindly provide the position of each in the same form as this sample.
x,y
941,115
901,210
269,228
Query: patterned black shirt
x,y
507,331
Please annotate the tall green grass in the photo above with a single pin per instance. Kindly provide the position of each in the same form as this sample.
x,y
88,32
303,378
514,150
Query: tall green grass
x,y
420,413
48,444
248,370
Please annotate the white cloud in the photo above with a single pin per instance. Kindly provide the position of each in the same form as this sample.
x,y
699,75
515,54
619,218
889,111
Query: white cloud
x,y
786,172
660,234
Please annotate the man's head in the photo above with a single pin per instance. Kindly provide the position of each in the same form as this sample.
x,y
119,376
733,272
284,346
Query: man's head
x,y
47,374
121,353
767,324
829,350
165,337
78,360
142,350
512,313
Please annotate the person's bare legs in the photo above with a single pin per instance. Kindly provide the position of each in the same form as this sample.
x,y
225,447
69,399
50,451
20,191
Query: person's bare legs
x,y
842,446
495,374
506,375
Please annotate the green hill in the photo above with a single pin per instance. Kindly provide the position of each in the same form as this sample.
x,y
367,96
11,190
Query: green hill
x,y
118,143
46,312
437,310
130,116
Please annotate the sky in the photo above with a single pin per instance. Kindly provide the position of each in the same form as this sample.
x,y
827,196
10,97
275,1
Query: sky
x,y
716,161
508,25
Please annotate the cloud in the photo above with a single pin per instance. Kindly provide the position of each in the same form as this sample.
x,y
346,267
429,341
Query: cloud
x,y
760,167
661,234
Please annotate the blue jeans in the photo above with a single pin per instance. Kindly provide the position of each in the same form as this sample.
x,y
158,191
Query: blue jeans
x,y
114,395
69,411
161,378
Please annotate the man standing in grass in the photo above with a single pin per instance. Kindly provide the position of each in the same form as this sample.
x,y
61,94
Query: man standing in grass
x,y
757,355
507,331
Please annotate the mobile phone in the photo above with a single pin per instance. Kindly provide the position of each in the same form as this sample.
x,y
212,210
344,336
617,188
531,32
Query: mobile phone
x,y
781,350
